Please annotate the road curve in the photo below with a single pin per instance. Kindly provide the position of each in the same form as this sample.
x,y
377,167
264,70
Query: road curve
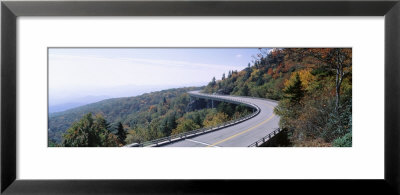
x,y
239,135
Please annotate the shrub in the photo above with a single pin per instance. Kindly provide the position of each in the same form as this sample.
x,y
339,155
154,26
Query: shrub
x,y
345,141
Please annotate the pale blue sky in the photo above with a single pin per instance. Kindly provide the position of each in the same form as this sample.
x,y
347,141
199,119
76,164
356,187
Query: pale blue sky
x,y
117,72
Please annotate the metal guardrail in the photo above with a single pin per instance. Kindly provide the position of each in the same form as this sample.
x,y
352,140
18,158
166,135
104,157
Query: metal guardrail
x,y
257,98
225,99
177,137
251,97
266,138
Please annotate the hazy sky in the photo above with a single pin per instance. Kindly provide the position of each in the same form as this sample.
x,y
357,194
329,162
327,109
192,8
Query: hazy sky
x,y
116,72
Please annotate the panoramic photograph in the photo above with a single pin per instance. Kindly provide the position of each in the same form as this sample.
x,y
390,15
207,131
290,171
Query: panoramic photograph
x,y
199,97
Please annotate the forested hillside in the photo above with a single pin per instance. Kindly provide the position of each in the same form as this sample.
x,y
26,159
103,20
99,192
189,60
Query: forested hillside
x,y
313,86
120,121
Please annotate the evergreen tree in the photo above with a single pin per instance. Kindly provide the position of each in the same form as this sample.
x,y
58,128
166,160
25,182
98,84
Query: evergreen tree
x,y
171,122
245,90
248,73
164,101
260,81
213,82
295,91
121,134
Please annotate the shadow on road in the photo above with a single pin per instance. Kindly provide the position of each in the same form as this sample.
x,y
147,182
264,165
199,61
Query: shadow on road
x,y
279,140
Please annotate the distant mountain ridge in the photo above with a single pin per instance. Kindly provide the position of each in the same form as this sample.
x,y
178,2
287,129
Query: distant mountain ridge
x,y
73,103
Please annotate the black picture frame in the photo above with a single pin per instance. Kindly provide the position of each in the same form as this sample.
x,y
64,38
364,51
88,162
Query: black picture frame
x,y
11,10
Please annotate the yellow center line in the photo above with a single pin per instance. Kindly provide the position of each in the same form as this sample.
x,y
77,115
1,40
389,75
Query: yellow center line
x,y
240,133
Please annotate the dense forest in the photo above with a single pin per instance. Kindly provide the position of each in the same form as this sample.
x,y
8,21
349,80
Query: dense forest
x,y
313,86
120,121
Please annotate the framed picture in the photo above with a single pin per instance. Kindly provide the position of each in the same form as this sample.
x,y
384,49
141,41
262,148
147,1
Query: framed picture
x,y
221,75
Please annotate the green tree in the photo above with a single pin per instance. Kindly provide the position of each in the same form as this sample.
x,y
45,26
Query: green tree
x,y
295,91
248,73
213,82
89,132
226,108
137,135
164,127
244,90
164,101
121,133
171,122
185,125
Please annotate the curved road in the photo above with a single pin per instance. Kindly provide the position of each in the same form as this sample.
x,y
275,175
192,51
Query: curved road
x,y
239,135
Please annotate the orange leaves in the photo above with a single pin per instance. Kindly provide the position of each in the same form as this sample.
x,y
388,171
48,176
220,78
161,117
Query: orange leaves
x,y
270,71
153,108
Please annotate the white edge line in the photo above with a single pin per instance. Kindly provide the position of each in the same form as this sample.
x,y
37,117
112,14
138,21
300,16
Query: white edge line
x,y
200,142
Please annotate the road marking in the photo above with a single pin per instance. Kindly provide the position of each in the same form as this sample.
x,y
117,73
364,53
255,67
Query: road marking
x,y
240,133
200,142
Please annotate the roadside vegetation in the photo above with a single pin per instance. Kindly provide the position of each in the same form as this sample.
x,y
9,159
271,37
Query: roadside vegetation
x,y
313,87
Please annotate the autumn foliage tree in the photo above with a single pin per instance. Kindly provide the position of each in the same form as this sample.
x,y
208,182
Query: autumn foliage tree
x,y
323,118
185,125
213,120
313,87
337,59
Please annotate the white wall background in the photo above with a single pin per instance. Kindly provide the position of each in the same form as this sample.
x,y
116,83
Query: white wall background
x,y
364,160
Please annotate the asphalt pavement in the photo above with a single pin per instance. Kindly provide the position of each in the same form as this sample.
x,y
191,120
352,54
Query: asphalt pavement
x,y
239,135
